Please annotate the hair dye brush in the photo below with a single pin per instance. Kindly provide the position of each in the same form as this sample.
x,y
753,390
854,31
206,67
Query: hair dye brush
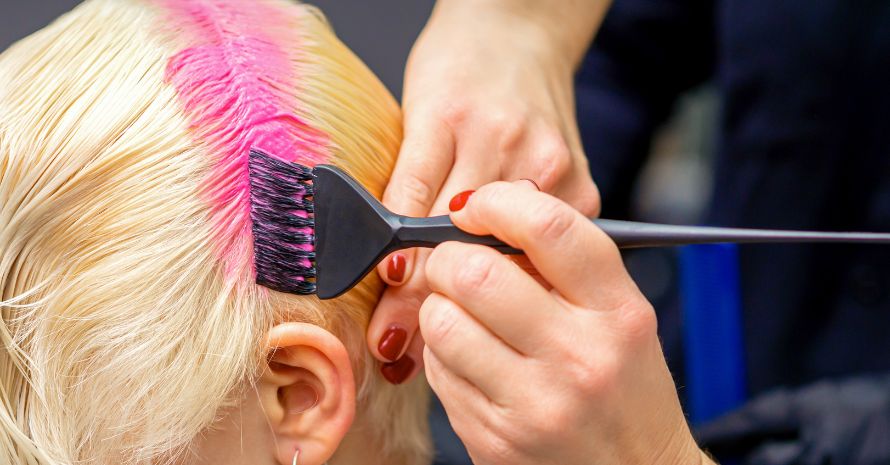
x,y
318,231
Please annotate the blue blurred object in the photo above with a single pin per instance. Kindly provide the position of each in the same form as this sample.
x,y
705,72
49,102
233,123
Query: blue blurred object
x,y
712,330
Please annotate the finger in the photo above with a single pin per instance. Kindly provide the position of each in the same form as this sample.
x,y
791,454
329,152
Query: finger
x,y
580,192
526,265
556,163
543,156
521,260
408,365
472,416
465,404
569,251
467,348
424,160
415,351
396,267
497,293
423,164
474,166
394,322
397,310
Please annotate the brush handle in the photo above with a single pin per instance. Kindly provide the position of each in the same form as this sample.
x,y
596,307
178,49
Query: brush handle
x,y
430,232
630,234
354,231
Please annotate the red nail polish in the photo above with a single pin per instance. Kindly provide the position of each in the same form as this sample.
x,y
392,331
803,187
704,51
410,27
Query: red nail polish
x,y
531,181
395,270
397,372
392,342
459,200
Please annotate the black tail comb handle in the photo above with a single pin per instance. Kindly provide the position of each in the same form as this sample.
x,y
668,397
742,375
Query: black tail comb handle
x,y
294,208
353,232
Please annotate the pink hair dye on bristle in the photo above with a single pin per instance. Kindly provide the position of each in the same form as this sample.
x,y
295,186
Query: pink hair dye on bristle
x,y
237,83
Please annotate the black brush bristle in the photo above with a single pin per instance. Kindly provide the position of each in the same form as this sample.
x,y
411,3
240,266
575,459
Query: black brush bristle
x,y
281,209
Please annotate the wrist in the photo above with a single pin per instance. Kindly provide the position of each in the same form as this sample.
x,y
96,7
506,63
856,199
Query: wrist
x,y
693,455
563,33
680,448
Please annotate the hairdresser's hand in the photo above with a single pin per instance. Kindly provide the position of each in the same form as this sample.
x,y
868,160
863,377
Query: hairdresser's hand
x,y
570,372
488,96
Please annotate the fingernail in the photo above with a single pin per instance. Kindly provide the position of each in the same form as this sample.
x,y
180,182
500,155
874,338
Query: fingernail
x,y
395,270
531,181
391,343
459,200
397,372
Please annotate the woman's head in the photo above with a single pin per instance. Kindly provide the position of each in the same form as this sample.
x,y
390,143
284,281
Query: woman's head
x,y
132,326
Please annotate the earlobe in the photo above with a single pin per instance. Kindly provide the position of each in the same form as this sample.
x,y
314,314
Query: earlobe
x,y
307,392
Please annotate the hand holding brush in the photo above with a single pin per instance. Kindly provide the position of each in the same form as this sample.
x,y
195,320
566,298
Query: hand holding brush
x,y
318,231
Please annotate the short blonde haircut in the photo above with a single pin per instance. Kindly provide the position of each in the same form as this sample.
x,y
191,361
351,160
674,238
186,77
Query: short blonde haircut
x,y
125,328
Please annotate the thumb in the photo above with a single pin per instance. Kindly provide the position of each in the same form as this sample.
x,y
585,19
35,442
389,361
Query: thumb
x,y
423,164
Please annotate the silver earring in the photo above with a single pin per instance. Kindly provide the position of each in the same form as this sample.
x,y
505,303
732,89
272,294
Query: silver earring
x,y
297,457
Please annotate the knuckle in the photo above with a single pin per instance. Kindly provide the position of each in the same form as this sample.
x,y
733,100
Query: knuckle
x,y
589,202
436,321
493,192
455,113
488,200
515,431
498,449
491,195
539,422
406,299
476,274
509,131
414,298
553,423
553,160
553,221
418,191
439,256
593,377
639,324
438,264
587,379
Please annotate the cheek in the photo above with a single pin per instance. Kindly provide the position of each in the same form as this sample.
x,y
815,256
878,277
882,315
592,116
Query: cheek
x,y
244,423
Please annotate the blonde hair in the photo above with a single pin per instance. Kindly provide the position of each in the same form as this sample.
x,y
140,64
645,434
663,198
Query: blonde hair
x,y
125,328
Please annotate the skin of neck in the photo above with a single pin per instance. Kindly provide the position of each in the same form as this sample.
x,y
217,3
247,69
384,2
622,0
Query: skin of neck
x,y
359,446
244,435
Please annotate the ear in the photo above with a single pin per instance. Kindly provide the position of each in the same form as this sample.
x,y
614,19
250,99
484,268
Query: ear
x,y
308,392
